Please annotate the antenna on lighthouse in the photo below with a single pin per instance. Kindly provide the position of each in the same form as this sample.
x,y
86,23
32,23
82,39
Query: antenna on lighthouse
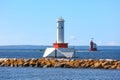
x,y
92,39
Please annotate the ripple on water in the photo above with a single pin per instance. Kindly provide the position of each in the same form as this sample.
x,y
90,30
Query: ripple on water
x,y
7,73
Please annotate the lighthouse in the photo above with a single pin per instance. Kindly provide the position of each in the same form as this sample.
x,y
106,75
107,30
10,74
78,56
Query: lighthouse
x,y
60,30
60,35
93,46
60,48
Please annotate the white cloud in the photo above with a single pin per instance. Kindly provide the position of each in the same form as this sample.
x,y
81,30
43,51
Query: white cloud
x,y
109,43
113,43
72,37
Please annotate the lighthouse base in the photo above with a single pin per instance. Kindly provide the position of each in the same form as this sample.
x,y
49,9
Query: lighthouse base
x,y
60,45
59,53
93,49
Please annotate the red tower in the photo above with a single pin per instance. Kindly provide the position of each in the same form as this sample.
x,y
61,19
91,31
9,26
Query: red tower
x,y
93,46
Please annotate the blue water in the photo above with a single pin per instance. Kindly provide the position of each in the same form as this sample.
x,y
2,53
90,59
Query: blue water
x,y
104,52
29,73
8,73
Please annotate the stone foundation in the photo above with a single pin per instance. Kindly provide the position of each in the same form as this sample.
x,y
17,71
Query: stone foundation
x,y
60,63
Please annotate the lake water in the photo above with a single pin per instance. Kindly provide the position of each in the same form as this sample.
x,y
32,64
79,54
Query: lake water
x,y
104,52
29,73
8,73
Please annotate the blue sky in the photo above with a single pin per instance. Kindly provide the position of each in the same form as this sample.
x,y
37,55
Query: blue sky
x,y
33,22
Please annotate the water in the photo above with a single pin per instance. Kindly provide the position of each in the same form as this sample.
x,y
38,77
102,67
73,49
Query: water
x,y
8,73
104,52
29,73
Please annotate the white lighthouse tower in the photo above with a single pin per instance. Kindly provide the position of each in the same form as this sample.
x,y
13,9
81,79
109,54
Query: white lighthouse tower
x,y
59,49
60,35
60,30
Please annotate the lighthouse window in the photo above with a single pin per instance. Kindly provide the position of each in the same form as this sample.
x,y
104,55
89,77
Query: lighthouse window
x,y
61,27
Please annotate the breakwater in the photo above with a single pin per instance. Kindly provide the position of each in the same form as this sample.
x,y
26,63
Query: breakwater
x,y
60,63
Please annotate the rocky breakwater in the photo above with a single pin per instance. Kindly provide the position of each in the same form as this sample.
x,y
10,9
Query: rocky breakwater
x,y
60,63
